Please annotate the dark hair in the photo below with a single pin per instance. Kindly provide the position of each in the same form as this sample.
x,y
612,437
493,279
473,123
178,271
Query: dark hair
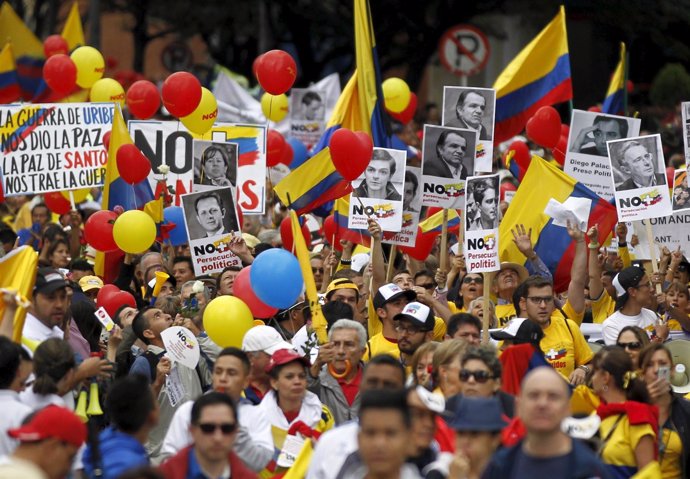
x,y
462,97
53,359
383,155
412,178
212,399
649,350
9,361
480,187
536,281
639,333
208,152
335,310
205,196
275,372
460,319
54,246
311,96
386,360
487,355
442,138
239,354
84,315
140,324
622,124
348,273
183,259
40,205
519,293
617,363
7,236
54,231
386,399
80,264
225,270
423,272
129,402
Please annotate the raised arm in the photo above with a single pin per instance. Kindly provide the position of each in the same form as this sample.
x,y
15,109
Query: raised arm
x,y
596,287
378,275
578,270
523,240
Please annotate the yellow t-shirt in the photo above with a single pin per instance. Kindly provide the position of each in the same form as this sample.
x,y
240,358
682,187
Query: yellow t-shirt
x,y
378,344
375,326
506,312
670,454
619,450
602,307
565,348
454,309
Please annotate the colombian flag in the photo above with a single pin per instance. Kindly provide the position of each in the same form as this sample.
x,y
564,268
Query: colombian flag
x,y
73,32
28,50
615,100
359,108
9,81
434,223
18,274
538,76
340,214
542,182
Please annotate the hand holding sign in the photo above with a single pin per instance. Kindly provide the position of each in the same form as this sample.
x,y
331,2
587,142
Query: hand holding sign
x,y
181,346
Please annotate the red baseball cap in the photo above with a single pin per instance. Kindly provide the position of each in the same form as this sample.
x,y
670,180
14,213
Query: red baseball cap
x,y
52,422
284,356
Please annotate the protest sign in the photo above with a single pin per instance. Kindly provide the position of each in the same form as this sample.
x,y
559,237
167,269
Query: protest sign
x,y
167,143
586,159
685,115
211,220
307,115
379,190
681,192
671,231
447,161
412,203
481,230
640,186
473,109
53,147
181,346
215,164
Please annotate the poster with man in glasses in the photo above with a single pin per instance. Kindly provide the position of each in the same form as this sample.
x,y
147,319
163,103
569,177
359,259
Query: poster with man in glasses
x,y
481,216
586,158
641,190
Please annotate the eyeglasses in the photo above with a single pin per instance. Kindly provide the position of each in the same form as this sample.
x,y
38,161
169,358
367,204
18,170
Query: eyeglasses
x,y
473,279
427,285
648,284
634,346
226,428
407,329
317,270
479,376
540,299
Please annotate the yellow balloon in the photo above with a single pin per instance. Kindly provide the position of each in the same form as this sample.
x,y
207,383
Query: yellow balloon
x,y
226,320
108,90
396,94
134,231
275,107
79,195
202,119
90,66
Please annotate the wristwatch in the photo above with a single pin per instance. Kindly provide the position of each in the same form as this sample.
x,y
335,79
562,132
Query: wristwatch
x,y
585,368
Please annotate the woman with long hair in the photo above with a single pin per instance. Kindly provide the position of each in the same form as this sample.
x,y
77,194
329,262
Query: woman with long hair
x,y
633,339
54,368
446,367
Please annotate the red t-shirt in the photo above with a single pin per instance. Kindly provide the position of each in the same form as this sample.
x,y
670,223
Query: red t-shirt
x,y
291,415
351,389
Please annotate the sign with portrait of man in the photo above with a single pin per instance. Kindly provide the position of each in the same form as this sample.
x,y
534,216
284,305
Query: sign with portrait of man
x,y
447,161
412,205
473,109
211,221
378,192
481,228
637,176
215,164
307,115
586,158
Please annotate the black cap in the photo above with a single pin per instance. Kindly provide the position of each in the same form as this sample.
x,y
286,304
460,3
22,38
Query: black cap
x,y
49,280
628,278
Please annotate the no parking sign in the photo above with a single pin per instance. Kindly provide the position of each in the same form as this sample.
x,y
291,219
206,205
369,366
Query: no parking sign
x,y
464,50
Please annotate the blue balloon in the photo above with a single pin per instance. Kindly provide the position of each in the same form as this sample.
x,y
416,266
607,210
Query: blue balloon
x,y
299,152
178,235
276,278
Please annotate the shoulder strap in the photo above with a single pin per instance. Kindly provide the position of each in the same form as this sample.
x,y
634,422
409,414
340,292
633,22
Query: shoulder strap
x,y
602,445
153,362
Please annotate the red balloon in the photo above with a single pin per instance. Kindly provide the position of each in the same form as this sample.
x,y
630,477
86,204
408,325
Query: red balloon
x,y
670,176
242,289
286,234
142,99
133,166
275,146
106,140
522,154
506,186
57,203
560,149
54,45
98,230
331,232
565,130
181,93
594,109
255,63
408,113
422,247
276,71
111,298
351,152
544,128
60,73
288,154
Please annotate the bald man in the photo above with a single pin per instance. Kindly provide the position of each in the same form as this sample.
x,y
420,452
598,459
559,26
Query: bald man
x,y
545,451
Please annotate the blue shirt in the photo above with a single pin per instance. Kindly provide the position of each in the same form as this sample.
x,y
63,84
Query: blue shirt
x,y
194,469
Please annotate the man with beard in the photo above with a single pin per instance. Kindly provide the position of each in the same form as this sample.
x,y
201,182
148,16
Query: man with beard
x,y
414,326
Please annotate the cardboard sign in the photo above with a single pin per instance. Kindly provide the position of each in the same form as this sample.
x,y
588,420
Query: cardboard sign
x,y
168,143
181,346
681,192
671,231
412,205
481,229
215,164
53,147
586,159
307,114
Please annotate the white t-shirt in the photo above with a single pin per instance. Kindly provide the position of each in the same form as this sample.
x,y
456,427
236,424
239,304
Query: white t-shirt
x,y
612,325
37,331
13,413
333,448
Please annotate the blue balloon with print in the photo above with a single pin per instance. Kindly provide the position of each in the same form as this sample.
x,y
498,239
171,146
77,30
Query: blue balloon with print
x,y
177,235
299,152
276,278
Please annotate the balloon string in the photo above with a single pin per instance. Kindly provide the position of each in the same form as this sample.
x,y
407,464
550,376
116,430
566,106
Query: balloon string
x,y
134,197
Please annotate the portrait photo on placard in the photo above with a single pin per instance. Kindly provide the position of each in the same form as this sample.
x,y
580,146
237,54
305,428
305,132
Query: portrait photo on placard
x,y
681,192
685,115
448,152
470,108
383,177
589,132
481,210
412,197
215,164
307,104
210,213
637,163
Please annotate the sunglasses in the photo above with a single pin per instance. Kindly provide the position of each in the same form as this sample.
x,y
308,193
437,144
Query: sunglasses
x,y
317,270
479,376
634,346
226,428
476,280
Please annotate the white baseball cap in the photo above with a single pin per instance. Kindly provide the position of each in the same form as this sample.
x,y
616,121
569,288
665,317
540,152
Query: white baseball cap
x,y
265,339
419,314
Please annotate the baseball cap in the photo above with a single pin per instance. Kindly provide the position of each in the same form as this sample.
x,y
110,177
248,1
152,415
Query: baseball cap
x,y
52,422
628,278
265,339
418,314
284,356
49,280
519,329
477,414
359,261
87,283
341,283
432,401
391,292
521,271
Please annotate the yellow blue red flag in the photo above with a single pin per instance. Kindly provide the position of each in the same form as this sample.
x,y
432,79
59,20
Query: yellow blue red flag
x,y
9,80
538,76
28,50
18,274
614,103
72,32
435,222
